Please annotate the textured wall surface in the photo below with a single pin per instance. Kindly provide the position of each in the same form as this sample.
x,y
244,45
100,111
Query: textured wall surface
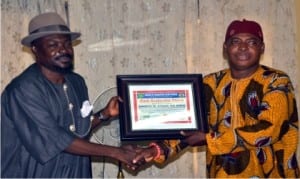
x,y
151,37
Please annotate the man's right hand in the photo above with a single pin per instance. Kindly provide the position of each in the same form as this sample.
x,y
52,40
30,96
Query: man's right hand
x,y
134,157
144,155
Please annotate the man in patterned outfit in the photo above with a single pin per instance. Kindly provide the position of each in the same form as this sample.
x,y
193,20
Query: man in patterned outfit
x,y
252,114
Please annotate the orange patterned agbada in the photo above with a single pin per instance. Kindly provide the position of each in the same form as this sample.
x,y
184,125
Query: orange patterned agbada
x,y
253,126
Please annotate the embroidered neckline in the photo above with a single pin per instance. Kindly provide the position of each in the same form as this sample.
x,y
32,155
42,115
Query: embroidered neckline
x,y
72,127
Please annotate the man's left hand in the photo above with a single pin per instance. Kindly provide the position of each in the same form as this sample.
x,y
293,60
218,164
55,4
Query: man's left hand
x,y
112,107
194,138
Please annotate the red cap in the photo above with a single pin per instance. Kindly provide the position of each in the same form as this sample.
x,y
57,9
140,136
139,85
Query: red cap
x,y
251,27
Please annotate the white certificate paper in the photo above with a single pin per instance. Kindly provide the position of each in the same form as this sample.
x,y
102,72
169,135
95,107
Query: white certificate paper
x,y
162,107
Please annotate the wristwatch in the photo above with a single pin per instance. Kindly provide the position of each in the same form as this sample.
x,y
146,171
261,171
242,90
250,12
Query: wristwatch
x,y
103,117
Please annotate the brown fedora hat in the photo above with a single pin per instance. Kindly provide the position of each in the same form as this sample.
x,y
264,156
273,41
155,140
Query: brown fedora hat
x,y
47,24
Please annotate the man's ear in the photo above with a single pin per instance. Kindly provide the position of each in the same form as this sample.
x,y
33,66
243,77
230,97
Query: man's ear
x,y
224,46
33,49
262,48
225,56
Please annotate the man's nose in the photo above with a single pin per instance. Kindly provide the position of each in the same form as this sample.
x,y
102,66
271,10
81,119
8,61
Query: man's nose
x,y
243,45
62,49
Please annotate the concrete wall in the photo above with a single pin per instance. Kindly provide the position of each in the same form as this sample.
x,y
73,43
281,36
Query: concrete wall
x,y
151,37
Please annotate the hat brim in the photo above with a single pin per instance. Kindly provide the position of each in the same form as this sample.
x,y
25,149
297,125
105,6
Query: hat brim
x,y
30,38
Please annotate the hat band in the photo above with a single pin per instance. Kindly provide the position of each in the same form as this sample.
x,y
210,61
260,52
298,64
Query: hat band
x,y
52,28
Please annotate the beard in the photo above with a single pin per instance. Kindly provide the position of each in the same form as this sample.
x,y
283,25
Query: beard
x,y
62,70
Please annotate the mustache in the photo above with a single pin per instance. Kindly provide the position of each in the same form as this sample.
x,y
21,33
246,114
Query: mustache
x,y
64,55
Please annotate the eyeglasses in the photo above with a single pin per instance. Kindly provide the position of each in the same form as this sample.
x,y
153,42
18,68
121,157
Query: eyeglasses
x,y
249,42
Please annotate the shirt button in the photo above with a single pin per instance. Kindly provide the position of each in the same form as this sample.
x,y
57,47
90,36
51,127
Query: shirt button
x,y
72,127
71,106
92,117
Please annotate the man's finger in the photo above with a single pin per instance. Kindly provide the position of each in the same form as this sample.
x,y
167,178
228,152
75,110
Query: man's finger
x,y
148,159
187,133
183,133
120,99
137,159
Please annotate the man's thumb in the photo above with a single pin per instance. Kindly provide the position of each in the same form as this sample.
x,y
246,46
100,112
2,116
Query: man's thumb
x,y
183,133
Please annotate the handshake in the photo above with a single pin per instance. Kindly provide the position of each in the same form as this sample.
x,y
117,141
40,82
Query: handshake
x,y
134,156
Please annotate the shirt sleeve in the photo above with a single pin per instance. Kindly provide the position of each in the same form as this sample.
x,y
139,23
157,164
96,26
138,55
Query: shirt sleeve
x,y
275,119
170,149
34,123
